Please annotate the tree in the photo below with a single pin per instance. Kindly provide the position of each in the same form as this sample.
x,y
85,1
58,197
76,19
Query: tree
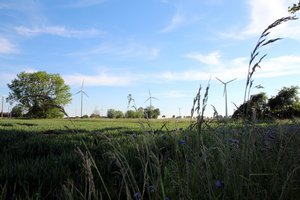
x,y
39,94
112,113
17,111
134,114
151,113
286,103
256,107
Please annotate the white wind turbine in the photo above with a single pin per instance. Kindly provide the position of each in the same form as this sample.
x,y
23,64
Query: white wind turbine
x,y
81,91
150,99
225,94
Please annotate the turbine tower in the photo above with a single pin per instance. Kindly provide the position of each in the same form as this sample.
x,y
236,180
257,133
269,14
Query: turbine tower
x,y
150,99
81,91
225,94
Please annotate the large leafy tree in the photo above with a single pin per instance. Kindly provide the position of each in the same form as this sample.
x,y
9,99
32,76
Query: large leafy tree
x,y
255,107
39,94
151,113
286,103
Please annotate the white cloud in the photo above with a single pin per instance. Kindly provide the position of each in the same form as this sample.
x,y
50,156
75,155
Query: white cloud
x,y
237,68
57,30
100,79
210,59
6,47
122,50
280,66
263,13
176,21
283,66
175,94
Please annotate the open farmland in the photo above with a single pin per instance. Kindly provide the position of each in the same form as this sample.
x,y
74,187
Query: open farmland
x,y
158,159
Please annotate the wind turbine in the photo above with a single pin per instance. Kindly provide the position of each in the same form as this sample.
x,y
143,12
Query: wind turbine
x,y
81,91
150,99
225,94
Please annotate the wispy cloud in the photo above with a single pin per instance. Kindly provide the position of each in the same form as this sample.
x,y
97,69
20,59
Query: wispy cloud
x,y
176,94
130,49
237,68
7,47
210,59
58,31
177,21
263,13
100,79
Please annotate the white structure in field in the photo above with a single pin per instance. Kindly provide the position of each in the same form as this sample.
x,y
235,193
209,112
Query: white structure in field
x,y
225,94
81,91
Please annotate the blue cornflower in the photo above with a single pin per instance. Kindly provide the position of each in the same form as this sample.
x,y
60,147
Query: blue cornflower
x,y
218,184
182,142
137,196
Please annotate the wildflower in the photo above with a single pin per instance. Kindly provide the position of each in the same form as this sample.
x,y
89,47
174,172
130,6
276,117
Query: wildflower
x,y
137,195
152,189
182,142
233,141
218,184
167,198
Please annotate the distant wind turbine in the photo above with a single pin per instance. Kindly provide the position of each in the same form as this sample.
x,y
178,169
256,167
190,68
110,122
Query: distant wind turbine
x,y
225,94
81,91
150,99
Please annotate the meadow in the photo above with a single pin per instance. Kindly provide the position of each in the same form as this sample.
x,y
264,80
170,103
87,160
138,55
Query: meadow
x,y
166,159
149,159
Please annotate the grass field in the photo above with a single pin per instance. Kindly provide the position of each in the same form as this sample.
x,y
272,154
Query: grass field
x,y
140,159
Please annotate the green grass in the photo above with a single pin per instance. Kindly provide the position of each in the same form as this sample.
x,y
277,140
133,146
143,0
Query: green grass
x,y
119,159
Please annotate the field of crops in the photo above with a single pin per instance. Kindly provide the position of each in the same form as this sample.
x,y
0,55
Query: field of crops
x,y
142,159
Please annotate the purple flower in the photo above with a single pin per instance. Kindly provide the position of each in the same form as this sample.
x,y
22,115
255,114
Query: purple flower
x,y
167,198
182,142
137,195
218,184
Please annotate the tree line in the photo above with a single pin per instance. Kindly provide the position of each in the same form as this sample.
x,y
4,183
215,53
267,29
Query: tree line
x,y
285,105
43,95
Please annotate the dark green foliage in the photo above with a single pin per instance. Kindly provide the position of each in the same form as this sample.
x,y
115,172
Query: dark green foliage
x,y
261,162
134,114
257,107
94,115
151,113
285,105
39,94
17,111
112,113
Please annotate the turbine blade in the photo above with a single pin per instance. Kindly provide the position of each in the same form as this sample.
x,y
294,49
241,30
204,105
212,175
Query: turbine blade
x,y
220,80
77,92
147,100
82,84
85,93
231,80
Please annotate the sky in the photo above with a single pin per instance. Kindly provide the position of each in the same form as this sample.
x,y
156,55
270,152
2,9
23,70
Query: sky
x,y
167,47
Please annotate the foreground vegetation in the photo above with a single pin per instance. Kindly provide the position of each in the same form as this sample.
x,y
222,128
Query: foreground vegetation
x,y
127,159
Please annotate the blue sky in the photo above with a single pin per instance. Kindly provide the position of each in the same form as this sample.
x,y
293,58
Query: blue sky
x,y
169,47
